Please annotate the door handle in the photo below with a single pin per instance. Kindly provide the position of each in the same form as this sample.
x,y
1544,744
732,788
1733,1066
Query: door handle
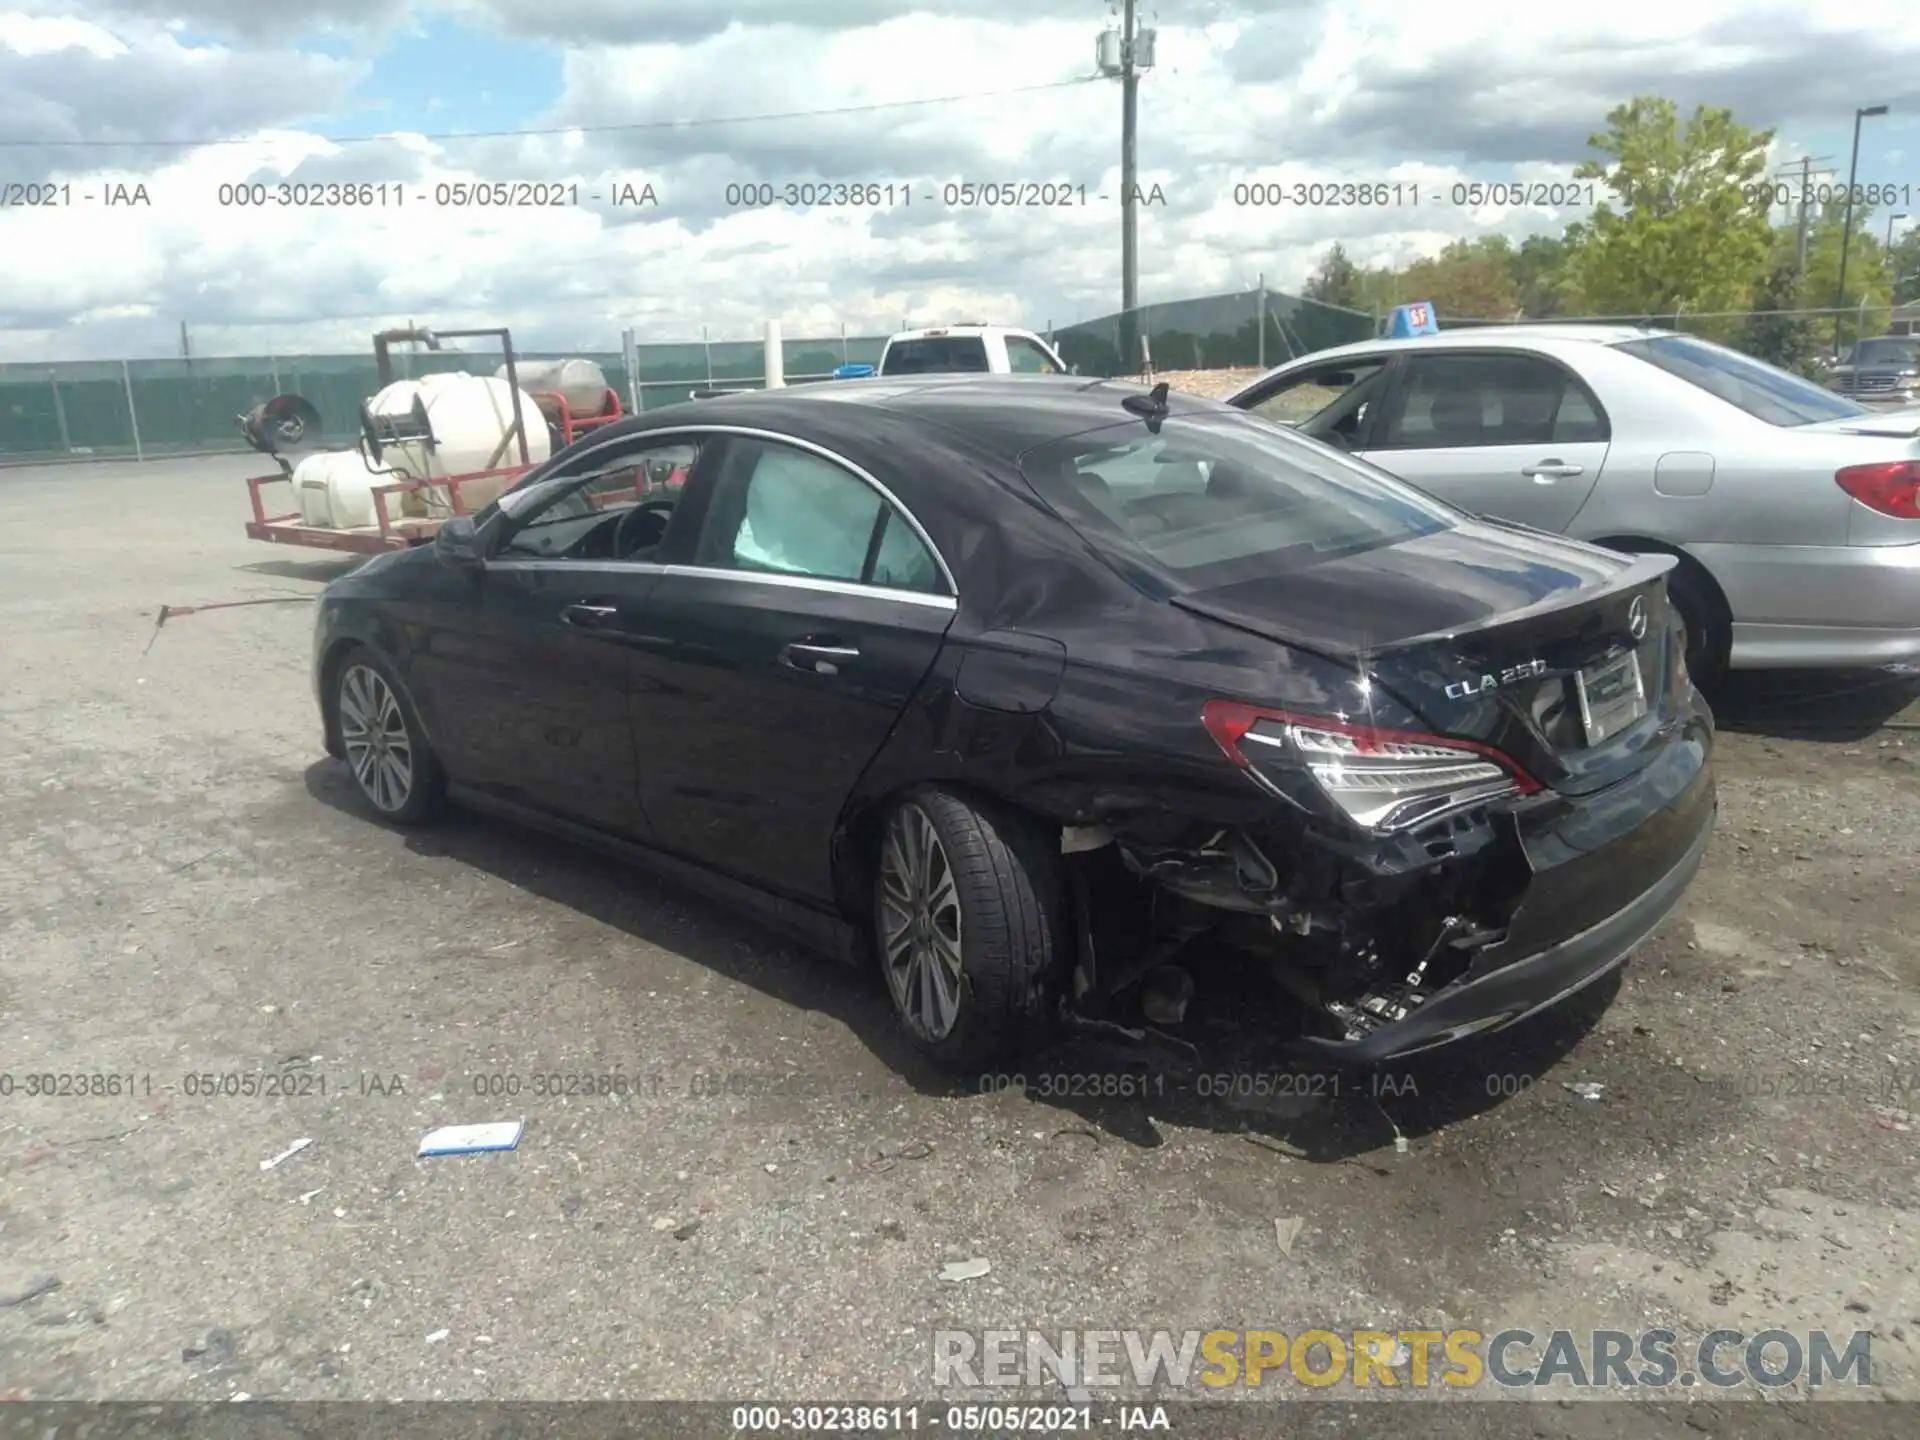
x,y
1548,471
819,659
587,615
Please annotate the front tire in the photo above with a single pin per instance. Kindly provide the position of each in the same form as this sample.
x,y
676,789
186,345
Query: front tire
x,y
967,920
386,748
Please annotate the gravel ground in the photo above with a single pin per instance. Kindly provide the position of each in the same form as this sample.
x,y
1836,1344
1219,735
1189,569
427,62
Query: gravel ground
x,y
187,889
1214,384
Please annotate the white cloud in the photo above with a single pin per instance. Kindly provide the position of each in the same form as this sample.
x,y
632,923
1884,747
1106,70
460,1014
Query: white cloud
x,y
1298,92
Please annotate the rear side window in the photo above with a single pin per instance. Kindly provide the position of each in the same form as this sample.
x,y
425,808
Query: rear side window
x,y
786,511
937,355
1026,358
1447,401
1215,501
1751,385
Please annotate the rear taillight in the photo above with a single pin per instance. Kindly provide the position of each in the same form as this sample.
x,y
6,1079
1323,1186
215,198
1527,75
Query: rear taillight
x,y
1892,489
1380,779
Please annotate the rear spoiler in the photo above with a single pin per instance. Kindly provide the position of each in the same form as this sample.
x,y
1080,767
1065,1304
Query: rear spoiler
x,y
1644,568
1890,428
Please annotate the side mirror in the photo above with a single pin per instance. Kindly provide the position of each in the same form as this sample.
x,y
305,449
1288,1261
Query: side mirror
x,y
458,544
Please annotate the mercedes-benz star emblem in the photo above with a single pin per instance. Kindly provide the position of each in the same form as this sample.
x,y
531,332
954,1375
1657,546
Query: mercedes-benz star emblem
x,y
1637,618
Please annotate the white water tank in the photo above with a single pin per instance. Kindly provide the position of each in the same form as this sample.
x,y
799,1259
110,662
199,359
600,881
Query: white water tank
x,y
472,421
581,383
334,489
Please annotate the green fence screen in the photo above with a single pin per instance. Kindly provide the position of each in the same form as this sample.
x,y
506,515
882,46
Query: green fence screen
x,y
1211,332
112,408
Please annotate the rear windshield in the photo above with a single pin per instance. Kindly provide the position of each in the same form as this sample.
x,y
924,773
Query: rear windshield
x,y
1885,352
1214,500
1766,393
940,355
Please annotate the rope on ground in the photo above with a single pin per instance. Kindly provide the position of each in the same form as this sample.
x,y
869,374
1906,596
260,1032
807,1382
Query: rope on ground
x,y
168,612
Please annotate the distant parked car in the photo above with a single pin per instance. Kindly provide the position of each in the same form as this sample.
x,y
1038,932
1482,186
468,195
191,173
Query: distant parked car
x,y
970,350
1881,371
1794,511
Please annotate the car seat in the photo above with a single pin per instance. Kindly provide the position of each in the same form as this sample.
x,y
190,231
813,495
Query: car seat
x,y
1458,416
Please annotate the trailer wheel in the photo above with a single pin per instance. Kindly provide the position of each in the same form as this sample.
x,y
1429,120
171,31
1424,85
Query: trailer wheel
x,y
384,743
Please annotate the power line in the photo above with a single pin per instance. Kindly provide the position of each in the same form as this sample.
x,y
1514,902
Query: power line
x,y
634,126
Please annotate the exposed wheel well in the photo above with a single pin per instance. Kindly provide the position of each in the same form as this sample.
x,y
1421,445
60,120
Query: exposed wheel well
x,y
331,665
1703,577
857,860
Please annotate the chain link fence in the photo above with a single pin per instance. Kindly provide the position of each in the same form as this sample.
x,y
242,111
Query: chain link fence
x,y
114,409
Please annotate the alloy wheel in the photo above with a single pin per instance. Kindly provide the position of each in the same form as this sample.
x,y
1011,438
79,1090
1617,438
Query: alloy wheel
x,y
920,928
373,731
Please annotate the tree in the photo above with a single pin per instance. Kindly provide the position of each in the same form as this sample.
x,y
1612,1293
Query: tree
x,y
1691,228
1903,260
1469,279
1539,270
1869,287
1377,289
1333,282
1776,332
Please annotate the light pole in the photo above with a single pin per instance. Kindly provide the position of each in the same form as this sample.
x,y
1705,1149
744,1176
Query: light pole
x,y
1846,222
1898,215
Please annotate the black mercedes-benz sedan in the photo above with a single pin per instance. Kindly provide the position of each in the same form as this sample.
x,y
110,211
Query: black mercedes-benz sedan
x,y
1023,689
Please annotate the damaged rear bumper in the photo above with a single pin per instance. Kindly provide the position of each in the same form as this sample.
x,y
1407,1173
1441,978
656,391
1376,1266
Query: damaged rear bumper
x,y
1538,966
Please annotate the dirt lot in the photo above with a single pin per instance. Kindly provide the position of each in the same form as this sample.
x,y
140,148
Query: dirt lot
x,y
188,891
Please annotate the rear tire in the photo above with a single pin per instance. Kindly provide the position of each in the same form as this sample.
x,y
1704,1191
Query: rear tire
x,y
394,767
967,920
1709,628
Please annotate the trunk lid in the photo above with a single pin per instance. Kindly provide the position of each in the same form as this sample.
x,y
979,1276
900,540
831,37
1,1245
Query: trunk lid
x,y
1490,632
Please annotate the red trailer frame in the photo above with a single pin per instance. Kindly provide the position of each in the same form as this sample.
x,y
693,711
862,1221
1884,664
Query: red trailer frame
x,y
389,533
572,426
400,532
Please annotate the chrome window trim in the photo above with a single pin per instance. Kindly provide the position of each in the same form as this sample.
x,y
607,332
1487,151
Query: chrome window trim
x,y
751,577
777,438
810,582
528,562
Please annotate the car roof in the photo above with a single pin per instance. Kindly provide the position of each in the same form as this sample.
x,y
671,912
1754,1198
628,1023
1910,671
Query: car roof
x,y
1004,415
937,332
1548,333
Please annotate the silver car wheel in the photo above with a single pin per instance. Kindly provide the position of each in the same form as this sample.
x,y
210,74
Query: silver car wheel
x,y
920,930
373,731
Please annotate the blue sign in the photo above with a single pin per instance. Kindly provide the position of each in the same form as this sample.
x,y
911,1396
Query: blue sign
x,y
852,372
1414,319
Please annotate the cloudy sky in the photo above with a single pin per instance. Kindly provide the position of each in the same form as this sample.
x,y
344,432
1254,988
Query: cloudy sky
x,y
428,105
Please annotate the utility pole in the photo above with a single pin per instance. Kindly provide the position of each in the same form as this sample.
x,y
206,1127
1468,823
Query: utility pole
x,y
1804,206
1125,54
1806,190
1806,182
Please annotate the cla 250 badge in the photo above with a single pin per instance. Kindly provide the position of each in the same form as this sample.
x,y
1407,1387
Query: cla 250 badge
x,y
1465,689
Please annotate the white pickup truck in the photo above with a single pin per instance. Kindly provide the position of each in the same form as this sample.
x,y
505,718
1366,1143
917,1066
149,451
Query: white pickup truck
x,y
970,350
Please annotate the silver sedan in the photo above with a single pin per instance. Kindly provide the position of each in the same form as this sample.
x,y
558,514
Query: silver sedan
x,y
1795,512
